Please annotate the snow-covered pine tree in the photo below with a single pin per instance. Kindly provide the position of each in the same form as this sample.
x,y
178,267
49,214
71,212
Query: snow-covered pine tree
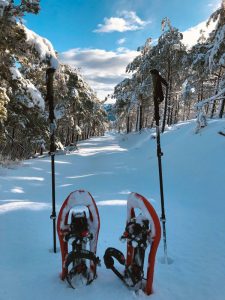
x,y
78,111
126,101
168,56
24,57
215,56
207,74
14,51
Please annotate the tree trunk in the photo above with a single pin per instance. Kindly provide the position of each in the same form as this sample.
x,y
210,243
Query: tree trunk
x,y
128,124
73,135
188,111
202,90
221,111
213,109
140,118
146,122
137,118
168,109
171,115
216,92
184,106
67,142
12,141
176,113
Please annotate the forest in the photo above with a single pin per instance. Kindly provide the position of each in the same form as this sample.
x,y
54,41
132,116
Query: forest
x,y
195,77
24,59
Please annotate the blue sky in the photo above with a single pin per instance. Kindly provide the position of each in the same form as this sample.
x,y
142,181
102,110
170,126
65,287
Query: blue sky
x,y
104,34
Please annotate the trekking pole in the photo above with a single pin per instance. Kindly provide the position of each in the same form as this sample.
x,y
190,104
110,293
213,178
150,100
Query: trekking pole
x,y
50,99
158,97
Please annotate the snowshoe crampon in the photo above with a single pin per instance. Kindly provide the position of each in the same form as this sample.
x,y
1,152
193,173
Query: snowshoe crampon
x,y
78,225
142,234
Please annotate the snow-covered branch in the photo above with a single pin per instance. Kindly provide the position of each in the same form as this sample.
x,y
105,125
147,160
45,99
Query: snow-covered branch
x,y
211,99
43,47
33,95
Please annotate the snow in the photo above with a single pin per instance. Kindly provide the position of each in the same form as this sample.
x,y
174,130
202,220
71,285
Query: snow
x,y
15,73
75,93
32,91
35,95
111,167
42,46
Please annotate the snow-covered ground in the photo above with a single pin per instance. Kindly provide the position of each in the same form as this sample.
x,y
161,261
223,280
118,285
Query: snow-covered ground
x,y
109,168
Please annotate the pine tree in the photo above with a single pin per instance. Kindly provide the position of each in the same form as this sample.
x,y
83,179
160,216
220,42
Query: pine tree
x,y
167,56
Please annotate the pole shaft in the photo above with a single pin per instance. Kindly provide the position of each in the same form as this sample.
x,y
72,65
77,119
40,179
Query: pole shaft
x,y
53,216
163,216
157,96
50,99
159,154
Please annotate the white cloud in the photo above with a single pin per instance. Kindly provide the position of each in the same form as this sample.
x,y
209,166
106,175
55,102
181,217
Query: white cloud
x,y
125,21
102,69
121,41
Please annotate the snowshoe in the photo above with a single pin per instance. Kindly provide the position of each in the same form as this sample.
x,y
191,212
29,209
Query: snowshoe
x,y
142,232
79,229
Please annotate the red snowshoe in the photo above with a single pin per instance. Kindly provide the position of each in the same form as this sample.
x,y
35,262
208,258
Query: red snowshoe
x,y
142,232
78,224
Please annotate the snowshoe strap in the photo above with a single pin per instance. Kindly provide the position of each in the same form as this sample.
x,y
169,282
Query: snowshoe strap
x,y
133,274
108,257
80,236
109,261
82,254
